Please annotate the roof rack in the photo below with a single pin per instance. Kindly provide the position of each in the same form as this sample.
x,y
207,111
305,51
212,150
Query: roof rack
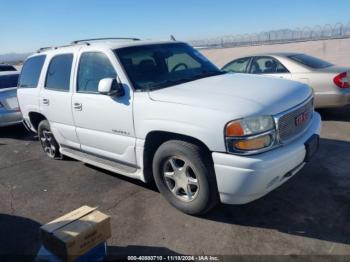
x,y
55,47
105,38
85,42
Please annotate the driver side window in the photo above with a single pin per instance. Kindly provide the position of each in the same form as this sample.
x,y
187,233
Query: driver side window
x,y
180,62
93,67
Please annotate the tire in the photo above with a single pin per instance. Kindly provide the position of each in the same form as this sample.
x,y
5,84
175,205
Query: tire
x,y
185,176
48,141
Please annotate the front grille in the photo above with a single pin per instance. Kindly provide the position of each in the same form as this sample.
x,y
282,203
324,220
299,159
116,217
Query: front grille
x,y
288,124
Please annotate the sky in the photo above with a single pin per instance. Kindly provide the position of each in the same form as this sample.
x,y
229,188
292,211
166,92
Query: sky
x,y
28,24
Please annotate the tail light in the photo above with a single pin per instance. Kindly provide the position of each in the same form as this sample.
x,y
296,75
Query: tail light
x,y
342,80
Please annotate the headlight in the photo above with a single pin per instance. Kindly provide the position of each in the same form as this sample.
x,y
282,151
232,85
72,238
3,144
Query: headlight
x,y
250,135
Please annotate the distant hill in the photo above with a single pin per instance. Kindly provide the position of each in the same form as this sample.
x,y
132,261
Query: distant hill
x,y
13,58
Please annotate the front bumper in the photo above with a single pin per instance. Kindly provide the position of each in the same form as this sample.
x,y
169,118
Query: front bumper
x,y
242,179
8,118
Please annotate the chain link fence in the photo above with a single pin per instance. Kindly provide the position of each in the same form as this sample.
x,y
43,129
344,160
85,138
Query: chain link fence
x,y
339,30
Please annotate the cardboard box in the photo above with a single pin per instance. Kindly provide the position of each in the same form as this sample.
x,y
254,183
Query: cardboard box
x,y
75,233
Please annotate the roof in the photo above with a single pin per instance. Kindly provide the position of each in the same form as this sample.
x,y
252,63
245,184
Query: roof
x,y
281,54
104,43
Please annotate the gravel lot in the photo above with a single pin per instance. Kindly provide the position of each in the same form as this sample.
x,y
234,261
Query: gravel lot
x,y
308,215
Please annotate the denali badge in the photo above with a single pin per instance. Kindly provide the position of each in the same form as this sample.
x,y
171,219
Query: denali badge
x,y
302,118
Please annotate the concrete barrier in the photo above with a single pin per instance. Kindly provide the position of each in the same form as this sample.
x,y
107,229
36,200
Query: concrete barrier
x,y
336,51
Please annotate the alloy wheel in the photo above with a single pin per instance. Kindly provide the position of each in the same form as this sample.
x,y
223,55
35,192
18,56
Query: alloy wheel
x,y
181,179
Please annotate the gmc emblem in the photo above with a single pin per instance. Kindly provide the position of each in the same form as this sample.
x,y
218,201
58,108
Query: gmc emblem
x,y
302,118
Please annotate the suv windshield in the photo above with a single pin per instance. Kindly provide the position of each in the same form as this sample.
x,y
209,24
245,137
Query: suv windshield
x,y
162,65
310,61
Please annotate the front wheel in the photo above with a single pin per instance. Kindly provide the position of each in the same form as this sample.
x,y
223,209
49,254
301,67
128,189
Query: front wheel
x,y
185,176
48,141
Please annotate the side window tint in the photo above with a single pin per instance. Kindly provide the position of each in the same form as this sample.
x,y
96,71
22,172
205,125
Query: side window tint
x,y
59,72
31,72
237,66
267,65
92,68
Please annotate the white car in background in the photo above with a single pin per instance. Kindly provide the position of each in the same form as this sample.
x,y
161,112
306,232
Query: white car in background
x,y
10,113
331,84
162,111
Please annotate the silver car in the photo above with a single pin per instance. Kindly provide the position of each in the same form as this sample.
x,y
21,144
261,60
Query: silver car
x,y
330,83
10,113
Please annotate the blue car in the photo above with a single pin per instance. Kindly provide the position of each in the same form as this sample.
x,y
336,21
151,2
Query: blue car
x,y
10,114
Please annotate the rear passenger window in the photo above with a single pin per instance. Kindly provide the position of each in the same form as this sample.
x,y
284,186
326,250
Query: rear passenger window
x,y
267,65
31,72
92,68
58,74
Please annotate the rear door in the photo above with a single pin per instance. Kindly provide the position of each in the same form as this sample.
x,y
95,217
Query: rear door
x,y
56,98
266,65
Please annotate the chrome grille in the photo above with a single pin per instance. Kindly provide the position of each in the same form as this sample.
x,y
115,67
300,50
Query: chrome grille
x,y
287,123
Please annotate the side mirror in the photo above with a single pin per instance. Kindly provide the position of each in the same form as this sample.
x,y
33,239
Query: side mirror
x,y
110,87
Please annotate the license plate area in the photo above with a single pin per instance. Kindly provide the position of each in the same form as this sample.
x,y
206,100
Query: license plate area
x,y
311,146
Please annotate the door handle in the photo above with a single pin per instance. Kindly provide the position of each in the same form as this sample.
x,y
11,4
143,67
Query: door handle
x,y
46,101
78,106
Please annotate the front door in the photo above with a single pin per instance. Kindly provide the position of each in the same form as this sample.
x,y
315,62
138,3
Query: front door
x,y
104,123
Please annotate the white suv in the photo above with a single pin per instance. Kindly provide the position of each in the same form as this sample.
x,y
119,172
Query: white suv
x,y
161,111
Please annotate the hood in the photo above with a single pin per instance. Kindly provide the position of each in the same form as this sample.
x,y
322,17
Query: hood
x,y
241,94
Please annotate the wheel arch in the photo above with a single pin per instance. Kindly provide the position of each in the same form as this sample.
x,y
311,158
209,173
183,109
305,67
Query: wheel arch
x,y
35,118
155,138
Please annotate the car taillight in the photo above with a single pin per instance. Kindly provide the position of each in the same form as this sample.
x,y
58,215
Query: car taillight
x,y
342,80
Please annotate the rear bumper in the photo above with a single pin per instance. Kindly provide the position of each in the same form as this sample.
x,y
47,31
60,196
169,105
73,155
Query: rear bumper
x,y
8,118
332,99
242,179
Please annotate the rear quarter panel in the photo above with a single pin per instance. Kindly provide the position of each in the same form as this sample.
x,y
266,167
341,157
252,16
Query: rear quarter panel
x,y
28,99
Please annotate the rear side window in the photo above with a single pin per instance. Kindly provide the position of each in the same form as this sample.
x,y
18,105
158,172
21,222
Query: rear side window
x,y
59,72
8,81
31,72
310,61
237,66
7,68
93,67
267,65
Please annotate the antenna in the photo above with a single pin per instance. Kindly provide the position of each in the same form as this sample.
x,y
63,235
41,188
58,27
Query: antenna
x,y
172,38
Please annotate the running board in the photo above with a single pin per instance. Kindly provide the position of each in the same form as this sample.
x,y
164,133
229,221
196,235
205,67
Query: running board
x,y
106,164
